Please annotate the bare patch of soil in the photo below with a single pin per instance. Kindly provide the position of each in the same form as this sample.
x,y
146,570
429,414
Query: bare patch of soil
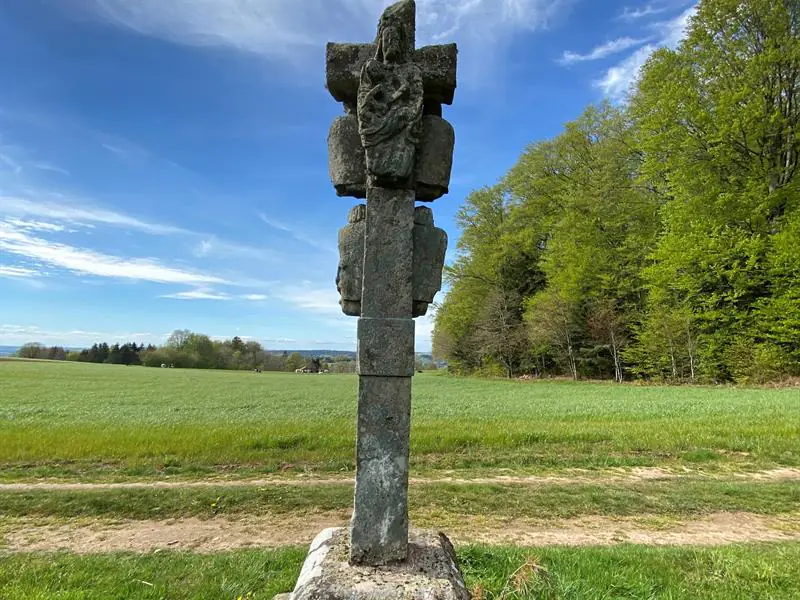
x,y
786,474
189,534
611,476
715,530
220,534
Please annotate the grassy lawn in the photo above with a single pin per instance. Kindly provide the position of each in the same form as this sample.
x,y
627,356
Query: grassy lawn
x,y
88,421
101,423
446,501
625,572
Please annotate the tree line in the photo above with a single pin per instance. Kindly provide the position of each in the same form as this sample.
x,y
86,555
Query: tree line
x,y
125,354
659,239
185,349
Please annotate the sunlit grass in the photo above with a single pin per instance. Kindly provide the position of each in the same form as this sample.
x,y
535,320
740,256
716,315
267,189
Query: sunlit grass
x,y
677,498
99,421
768,571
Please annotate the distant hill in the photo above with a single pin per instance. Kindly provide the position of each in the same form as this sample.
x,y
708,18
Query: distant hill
x,y
8,350
317,353
424,356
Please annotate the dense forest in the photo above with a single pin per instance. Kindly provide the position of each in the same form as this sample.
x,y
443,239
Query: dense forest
x,y
659,239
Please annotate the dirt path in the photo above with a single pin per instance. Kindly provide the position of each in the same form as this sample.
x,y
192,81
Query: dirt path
x,y
270,532
572,477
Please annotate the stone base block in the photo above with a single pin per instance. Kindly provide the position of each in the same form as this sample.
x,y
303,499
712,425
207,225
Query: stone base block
x,y
430,573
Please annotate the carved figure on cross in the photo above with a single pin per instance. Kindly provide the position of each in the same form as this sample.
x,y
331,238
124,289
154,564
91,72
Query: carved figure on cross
x,y
355,73
393,148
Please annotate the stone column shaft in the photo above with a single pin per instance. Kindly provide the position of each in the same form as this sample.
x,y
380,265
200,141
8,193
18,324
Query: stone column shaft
x,y
379,528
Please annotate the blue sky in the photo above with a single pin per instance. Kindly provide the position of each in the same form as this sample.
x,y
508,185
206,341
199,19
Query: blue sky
x,y
163,163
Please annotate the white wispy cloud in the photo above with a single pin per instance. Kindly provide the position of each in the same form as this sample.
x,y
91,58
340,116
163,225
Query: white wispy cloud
x,y
201,294
617,81
9,162
212,246
203,248
89,262
43,166
10,271
21,334
113,149
35,207
674,30
636,13
609,48
34,225
70,211
16,160
298,235
211,294
288,29
305,296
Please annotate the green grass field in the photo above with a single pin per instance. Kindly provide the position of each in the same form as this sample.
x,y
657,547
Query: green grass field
x,y
100,421
769,572
679,498
708,452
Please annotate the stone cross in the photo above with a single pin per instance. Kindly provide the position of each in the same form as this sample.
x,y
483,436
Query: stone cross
x,y
393,148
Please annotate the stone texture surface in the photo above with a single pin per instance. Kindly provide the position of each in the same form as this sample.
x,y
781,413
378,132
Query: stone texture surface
x,y
430,246
390,101
434,162
345,61
379,526
439,66
390,122
388,254
385,347
346,159
430,573
350,274
396,93
434,158
343,64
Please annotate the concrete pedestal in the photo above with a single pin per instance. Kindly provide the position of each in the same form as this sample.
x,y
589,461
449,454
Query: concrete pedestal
x,y
429,573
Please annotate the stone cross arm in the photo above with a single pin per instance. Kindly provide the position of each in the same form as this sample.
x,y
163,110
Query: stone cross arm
x,y
437,63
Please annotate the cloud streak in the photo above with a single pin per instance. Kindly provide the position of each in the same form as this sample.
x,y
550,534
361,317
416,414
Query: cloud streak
x,y
22,334
70,212
17,272
199,295
210,294
297,235
304,297
618,80
290,28
88,262
634,14
602,51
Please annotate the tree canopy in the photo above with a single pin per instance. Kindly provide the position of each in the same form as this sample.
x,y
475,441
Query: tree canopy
x,y
657,239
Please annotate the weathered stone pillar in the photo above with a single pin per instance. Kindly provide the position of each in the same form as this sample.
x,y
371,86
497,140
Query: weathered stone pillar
x,y
393,148
379,528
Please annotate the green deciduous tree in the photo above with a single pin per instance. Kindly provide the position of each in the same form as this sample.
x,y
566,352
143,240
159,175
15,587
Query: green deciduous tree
x,y
718,127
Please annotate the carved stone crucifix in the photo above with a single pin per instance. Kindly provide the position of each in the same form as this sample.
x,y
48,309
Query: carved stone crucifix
x,y
392,147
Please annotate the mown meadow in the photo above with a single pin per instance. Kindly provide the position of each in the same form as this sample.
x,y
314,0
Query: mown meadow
x,y
489,455
88,421
766,571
